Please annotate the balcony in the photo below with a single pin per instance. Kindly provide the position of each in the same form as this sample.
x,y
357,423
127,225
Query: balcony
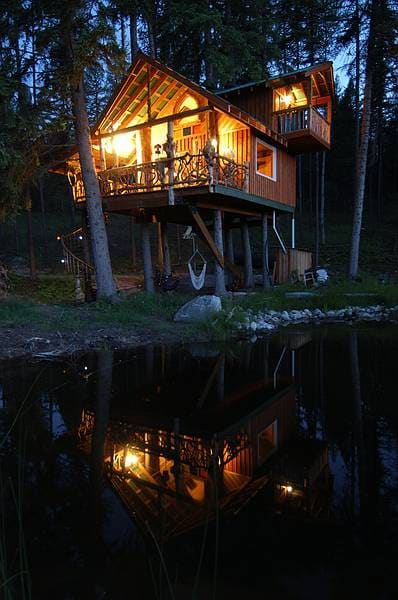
x,y
305,129
181,172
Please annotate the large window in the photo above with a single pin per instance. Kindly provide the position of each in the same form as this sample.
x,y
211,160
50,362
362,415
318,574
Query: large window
x,y
266,160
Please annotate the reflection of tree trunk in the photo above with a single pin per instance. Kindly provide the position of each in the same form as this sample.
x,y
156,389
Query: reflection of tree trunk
x,y
221,377
104,388
358,426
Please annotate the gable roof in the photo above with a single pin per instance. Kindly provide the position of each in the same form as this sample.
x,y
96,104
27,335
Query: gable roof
x,y
130,100
325,68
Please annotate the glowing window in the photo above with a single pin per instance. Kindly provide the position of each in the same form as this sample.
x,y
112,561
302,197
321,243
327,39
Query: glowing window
x,y
265,160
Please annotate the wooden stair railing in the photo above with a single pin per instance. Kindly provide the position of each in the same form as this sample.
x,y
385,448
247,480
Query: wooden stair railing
x,y
72,249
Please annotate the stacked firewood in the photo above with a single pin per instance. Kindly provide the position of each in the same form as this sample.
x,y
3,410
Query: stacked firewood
x,y
4,281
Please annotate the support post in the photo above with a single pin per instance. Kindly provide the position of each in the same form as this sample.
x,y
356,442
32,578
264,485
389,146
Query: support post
x,y
230,251
293,232
218,238
147,259
170,150
264,254
247,255
166,249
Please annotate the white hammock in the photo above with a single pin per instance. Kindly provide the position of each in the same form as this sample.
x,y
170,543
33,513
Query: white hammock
x,y
198,280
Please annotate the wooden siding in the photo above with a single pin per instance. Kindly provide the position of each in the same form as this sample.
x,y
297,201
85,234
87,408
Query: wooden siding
x,y
284,188
281,410
233,136
256,100
294,260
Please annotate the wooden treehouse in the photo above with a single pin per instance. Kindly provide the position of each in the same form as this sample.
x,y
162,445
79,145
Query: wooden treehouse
x,y
166,150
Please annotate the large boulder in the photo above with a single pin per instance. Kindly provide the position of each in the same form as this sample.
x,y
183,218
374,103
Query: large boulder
x,y
198,309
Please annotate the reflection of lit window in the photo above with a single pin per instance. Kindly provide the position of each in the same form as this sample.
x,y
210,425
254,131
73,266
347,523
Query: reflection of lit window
x,y
265,160
267,441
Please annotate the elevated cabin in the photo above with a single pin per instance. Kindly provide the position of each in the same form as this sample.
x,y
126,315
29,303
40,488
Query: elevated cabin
x,y
167,150
297,105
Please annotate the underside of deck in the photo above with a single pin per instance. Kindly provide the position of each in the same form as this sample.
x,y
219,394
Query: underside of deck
x,y
155,204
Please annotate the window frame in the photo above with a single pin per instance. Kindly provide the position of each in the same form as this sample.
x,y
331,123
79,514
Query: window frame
x,y
274,160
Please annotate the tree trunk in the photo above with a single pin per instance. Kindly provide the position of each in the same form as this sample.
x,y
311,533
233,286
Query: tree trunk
x,y
147,259
247,255
264,253
31,245
362,157
133,36
357,74
322,194
99,239
317,209
43,220
166,249
218,238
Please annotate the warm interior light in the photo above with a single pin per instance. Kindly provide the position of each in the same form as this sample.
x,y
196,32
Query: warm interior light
x,y
123,144
287,99
288,489
131,460
214,143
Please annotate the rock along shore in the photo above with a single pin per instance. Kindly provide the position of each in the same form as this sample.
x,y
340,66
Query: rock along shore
x,y
269,320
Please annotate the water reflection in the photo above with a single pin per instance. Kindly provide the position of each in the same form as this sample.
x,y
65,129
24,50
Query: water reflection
x,y
263,446
206,431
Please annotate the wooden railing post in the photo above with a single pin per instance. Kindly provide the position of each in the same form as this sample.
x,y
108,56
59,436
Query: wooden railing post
x,y
169,147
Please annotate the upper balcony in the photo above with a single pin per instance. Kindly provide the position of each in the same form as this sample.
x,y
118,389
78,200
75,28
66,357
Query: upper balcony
x,y
305,128
302,107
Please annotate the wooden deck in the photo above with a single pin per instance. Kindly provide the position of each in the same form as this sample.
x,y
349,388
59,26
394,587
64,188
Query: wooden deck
x,y
304,128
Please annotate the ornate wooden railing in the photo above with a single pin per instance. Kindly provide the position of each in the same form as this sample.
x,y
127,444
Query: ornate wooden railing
x,y
299,119
191,450
72,249
188,170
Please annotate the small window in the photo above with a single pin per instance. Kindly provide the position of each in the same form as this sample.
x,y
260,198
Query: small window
x,y
267,441
186,131
265,160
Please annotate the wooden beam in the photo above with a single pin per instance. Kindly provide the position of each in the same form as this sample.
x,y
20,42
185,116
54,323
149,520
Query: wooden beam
x,y
143,102
123,110
207,236
153,122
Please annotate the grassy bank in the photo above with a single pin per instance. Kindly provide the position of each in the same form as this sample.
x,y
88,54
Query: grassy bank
x,y
47,304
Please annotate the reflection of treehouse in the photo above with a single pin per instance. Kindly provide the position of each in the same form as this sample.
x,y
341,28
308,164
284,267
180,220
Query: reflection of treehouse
x,y
169,479
301,477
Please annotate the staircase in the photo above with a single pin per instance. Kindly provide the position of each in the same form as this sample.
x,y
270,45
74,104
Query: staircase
x,y
75,263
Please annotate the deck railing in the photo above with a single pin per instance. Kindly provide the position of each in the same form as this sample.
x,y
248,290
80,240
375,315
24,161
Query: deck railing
x,y
299,119
188,170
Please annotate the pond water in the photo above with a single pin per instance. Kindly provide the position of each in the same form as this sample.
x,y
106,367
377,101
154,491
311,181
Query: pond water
x,y
240,470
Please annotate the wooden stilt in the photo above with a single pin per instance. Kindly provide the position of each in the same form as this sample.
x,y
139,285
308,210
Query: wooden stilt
x,y
160,246
166,249
247,255
218,238
230,245
147,259
132,243
230,251
264,253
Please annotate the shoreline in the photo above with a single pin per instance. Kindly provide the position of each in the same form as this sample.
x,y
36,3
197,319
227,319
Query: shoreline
x,y
33,341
